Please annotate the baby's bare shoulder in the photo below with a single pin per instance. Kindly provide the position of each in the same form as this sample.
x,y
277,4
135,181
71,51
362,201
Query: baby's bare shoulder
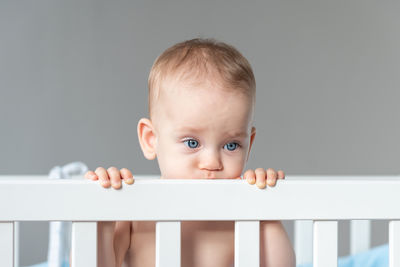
x,y
271,227
142,226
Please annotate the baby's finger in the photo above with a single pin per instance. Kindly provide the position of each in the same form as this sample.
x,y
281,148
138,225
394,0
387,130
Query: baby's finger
x,y
260,178
91,175
281,174
271,177
115,177
103,176
250,176
127,176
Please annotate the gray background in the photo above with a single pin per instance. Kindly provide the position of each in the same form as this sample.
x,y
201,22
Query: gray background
x,y
73,81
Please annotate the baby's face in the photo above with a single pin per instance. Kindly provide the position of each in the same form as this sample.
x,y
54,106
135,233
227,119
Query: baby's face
x,y
202,131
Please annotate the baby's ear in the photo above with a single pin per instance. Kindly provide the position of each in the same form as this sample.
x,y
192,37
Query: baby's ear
x,y
252,136
147,138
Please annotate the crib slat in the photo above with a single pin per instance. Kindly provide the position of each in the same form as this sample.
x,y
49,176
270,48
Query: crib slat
x,y
360,236
16,243
84,244
303,241
394,244
168,244
247,243
6,244
325,244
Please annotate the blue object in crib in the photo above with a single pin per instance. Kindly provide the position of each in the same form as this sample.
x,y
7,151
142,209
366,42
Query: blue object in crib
x,y
60,232
375,257
44,264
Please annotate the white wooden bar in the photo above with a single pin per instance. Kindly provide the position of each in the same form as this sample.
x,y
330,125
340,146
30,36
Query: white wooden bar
x,y
377,198
303,241
360,236
394,243
6,244
70,201
247,243
325,244
168,244
84,244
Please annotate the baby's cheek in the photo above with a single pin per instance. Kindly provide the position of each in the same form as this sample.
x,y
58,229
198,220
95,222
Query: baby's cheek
x,y
234,170
176,168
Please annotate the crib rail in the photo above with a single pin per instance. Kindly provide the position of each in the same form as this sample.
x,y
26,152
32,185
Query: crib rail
x,y
324,201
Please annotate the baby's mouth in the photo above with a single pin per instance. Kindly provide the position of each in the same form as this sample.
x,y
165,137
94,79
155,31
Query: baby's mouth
x,y
210,175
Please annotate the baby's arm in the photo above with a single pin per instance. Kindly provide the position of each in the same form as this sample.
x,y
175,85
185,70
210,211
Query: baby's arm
x,y
113,240
276,249
105,244
113,243
113,237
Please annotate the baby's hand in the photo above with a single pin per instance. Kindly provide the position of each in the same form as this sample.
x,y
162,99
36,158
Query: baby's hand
x,y
112,176
263,177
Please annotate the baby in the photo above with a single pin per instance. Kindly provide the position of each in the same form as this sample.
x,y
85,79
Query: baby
x,y
201,105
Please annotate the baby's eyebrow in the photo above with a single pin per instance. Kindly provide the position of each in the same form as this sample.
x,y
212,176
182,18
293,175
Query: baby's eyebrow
x,y
190,129
237,134
193,129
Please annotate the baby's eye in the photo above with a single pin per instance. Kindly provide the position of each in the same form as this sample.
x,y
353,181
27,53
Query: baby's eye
x,y
231,146
191,143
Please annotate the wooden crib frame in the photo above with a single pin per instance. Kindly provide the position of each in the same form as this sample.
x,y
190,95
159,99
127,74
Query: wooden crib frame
x,y
321,199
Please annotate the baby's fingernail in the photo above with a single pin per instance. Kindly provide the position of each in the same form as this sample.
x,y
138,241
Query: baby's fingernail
x,y
261,185
252,180
104,183
129,180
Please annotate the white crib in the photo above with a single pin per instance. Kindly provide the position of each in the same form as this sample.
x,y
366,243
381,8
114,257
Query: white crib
x,y
321,200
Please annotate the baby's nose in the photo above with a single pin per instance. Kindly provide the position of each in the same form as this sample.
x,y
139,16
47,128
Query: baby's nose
x,y
211,162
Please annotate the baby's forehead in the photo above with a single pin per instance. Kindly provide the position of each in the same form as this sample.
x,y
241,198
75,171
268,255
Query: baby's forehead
x,y
188,78
185,112
210,91
212,85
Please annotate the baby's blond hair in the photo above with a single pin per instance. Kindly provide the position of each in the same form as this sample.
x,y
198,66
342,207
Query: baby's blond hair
x,y
198,58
